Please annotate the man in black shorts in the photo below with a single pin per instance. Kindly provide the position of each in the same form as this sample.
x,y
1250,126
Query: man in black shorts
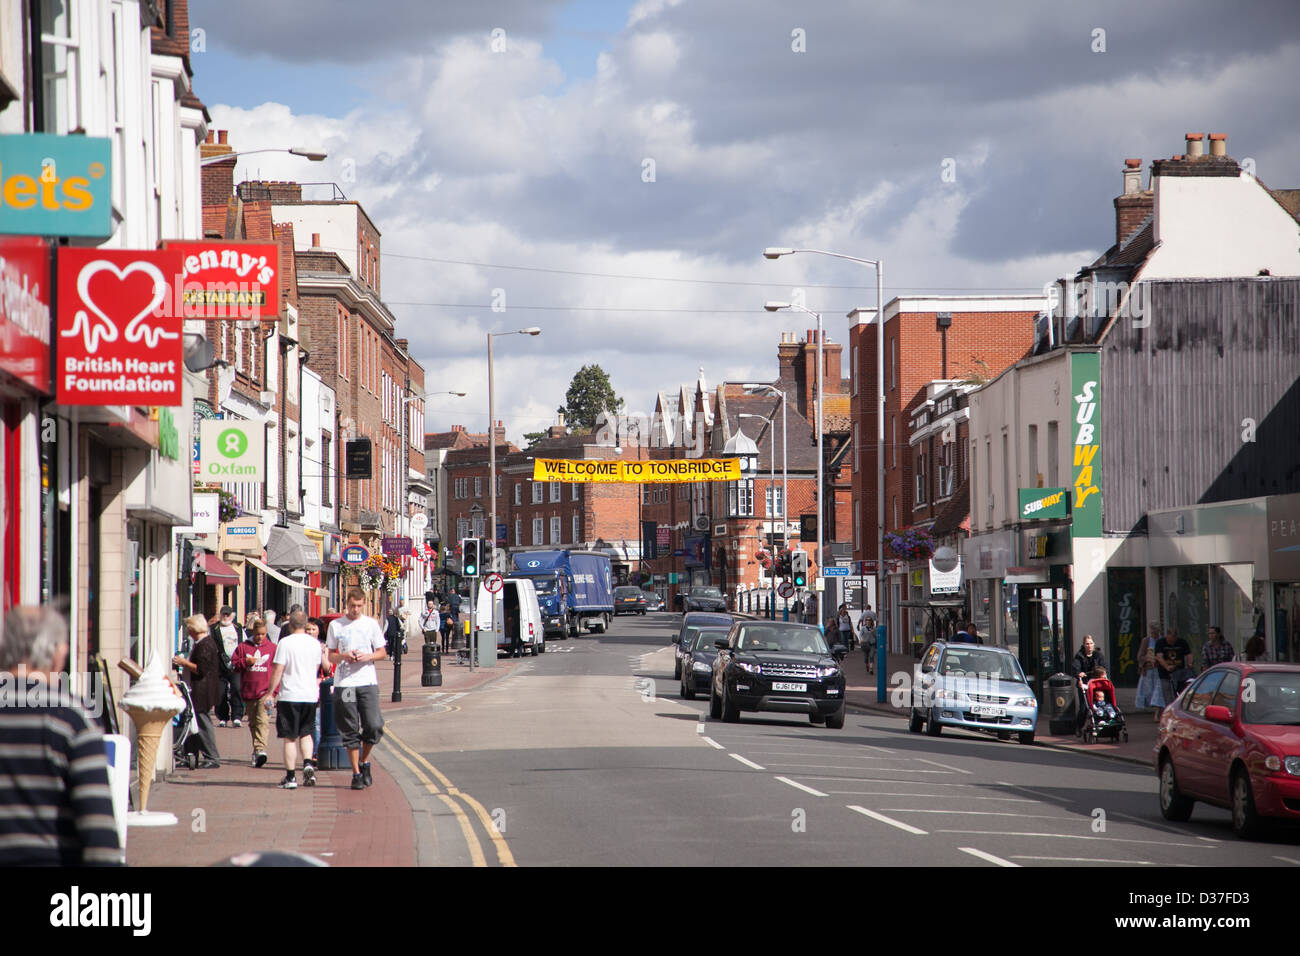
x,y
355,642
298,659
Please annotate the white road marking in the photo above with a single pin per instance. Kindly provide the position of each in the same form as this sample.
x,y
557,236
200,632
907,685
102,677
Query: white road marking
x,y
883,750
713,743
836,766
822,753
1074,836
935,763
988,857
1087,859
1207,839
930,796
799,786
455,697
747,763
884,819
1045,796
699,728
976,813
1287,859
1153,826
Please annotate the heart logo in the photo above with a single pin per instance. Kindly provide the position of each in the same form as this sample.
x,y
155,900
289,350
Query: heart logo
x,y
118,297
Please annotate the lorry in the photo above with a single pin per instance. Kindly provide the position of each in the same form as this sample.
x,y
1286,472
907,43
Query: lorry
x,y
574,588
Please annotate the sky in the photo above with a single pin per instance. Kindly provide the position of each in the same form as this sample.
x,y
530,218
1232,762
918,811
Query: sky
x,y
611,171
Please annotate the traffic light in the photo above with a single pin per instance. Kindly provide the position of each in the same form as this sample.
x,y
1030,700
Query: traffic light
x,y
469,557
783,568
799,569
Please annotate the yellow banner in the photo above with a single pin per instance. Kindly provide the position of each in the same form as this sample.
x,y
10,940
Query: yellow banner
x,y
636,472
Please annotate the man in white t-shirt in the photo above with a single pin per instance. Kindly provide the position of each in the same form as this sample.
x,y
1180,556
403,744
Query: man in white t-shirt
x,y
298,660
355,642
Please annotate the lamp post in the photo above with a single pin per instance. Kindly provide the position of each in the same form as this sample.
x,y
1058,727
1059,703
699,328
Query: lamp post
x,y
315,155
785,471
776,252
492,466
771,462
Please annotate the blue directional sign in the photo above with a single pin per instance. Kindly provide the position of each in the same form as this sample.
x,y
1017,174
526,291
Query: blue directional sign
x,y
835,572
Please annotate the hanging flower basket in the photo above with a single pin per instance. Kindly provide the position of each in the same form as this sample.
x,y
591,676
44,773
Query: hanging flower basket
x,y
380,573
910,544
227,507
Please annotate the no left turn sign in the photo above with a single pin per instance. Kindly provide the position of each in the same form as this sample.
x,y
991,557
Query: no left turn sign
x,y
493,583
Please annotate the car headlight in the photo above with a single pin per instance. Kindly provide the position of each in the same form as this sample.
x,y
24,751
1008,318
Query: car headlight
x,y
749,668
827,671
945,694
1024,702
1292,765
701,668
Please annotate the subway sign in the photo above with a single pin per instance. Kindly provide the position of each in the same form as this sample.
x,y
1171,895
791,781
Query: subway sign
x,y
1085,440
1039,503
55,185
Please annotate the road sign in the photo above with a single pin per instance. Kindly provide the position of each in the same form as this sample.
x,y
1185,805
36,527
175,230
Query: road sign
x,y
835,572
493,582
786,590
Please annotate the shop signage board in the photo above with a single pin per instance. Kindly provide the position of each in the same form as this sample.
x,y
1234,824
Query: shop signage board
x,y
636,472
397,546
1085,442
227,279
55,185
232,452
945,582
354,554
25,310
118,341
207,508
1042,503
1283,516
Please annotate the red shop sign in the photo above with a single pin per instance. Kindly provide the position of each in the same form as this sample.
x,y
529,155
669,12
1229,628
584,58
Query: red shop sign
x,y
119,340
25,310
227,279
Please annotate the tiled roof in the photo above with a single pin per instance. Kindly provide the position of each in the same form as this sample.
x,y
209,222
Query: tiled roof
x,y
955,514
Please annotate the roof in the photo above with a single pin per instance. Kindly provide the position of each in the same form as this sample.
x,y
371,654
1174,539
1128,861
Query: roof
x,y
954,516
800,449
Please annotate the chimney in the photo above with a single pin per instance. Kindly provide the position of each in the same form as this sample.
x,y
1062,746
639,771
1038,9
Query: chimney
x,y
1219,144
1195,145
1135,204
216,176
315,241
221,136
499,433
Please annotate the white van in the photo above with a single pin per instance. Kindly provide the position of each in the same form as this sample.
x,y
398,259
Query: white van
x,y
513,614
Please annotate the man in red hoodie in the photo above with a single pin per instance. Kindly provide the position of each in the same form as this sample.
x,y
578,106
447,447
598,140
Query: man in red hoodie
x,y
253,659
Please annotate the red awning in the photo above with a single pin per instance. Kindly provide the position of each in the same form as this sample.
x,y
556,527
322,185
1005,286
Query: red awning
x,y
218,571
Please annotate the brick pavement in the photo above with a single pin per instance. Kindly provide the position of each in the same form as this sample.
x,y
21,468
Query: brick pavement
x,y
237,808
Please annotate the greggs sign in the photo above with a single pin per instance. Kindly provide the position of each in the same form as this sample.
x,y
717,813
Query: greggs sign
x,y
118,339
55,185
636,472
228,280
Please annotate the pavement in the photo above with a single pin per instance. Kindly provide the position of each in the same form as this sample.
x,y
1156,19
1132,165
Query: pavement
x,y
236,808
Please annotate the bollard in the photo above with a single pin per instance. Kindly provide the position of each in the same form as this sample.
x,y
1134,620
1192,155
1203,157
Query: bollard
x,y
331,755
431,666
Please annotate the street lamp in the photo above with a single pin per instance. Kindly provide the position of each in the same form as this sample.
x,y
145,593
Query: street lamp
x,y
771,483
315,155
776,252
785,462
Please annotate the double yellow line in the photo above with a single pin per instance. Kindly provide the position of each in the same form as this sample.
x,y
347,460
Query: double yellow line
x,y
401,750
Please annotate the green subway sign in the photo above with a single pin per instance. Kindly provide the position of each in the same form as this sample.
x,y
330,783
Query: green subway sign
x,y
1039,503
1085,442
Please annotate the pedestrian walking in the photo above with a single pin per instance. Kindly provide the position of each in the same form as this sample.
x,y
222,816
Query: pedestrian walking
x,y
444,610
252,661
845,626
55,805
810,610
1088,658
867,633
1174,658
202,671
392,633
1150,692
355,642
295,683
1217,650
272,629
430,620
229,635
316,628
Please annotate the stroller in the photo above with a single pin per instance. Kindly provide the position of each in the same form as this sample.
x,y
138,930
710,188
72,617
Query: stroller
x,y
182,723
1097,725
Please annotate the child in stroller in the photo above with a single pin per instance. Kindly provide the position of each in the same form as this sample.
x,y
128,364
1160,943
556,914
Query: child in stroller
x,y
1103,718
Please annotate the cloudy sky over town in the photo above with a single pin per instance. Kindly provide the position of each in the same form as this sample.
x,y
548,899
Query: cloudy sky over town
x,y
616,168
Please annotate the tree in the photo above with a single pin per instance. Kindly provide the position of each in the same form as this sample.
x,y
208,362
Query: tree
x,y
589,394
533,438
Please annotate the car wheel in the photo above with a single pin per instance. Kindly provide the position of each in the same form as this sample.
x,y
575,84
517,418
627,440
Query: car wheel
x,y
1026,737
715,705
1245,820
730,712
932,727
534,652
915,722
836,720
1173,805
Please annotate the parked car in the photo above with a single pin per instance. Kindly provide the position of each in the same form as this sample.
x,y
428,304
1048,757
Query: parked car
x,y
778,667
1232,739
629,600
705,599
697,660
973,687
653,602
691,623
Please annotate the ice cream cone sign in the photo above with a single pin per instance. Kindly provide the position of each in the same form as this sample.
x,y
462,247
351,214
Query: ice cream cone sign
x,y
151,702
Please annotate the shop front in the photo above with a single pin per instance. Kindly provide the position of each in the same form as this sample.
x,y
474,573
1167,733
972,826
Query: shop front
x,y
1044,599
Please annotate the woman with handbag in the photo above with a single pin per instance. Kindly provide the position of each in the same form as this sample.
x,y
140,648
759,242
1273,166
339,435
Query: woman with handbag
x,y
1150,692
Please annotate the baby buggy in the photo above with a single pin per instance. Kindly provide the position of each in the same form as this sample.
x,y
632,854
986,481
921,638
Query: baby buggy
x,y
1102,719
182,723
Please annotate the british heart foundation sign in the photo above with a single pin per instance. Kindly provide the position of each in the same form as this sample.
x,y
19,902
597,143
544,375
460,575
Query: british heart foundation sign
x,y
118,340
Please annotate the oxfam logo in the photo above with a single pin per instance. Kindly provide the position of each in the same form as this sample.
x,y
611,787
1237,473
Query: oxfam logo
x,y
232,443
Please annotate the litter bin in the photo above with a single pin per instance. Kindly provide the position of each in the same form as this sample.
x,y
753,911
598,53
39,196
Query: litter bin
x,y
1062,704
332,755
431,666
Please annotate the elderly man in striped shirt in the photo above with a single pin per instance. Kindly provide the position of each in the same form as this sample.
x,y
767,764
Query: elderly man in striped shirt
x,y
55,805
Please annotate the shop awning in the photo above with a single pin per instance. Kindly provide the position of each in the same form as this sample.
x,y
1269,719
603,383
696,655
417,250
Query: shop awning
x,y
217,571
272,573
290,549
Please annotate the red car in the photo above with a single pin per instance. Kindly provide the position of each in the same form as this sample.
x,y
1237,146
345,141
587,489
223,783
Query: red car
x,y
1232,739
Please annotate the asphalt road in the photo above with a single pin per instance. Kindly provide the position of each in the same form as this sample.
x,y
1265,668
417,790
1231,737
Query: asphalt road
x,y
586,755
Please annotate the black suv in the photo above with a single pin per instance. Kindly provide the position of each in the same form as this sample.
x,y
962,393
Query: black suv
x,y
775,666
705,599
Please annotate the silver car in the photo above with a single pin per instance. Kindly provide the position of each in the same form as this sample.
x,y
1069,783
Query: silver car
x,y
973,687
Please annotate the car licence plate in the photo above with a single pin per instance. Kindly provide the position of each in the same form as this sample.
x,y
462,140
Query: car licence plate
x,y
983,710
799,688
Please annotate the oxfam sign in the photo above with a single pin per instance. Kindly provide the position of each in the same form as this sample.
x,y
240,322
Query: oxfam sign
x,y
232,452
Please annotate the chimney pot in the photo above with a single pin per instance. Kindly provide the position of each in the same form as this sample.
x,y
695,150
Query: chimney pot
x,y
221,136
1133,163
212,135
1218,144
315,240
1195,145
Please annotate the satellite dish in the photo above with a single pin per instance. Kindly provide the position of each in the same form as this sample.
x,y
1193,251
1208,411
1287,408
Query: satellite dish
x,y
945,559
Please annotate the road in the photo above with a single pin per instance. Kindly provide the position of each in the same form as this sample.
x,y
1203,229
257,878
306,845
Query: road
x,y
586,756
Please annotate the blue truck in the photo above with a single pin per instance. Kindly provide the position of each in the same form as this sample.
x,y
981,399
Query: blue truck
x,y
575,589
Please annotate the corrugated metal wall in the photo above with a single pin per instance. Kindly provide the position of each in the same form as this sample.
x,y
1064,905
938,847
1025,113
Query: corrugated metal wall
x,y
1177,393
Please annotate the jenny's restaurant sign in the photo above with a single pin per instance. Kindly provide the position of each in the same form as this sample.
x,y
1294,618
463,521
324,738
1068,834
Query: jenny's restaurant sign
x,y
55,185
25,311
227,280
